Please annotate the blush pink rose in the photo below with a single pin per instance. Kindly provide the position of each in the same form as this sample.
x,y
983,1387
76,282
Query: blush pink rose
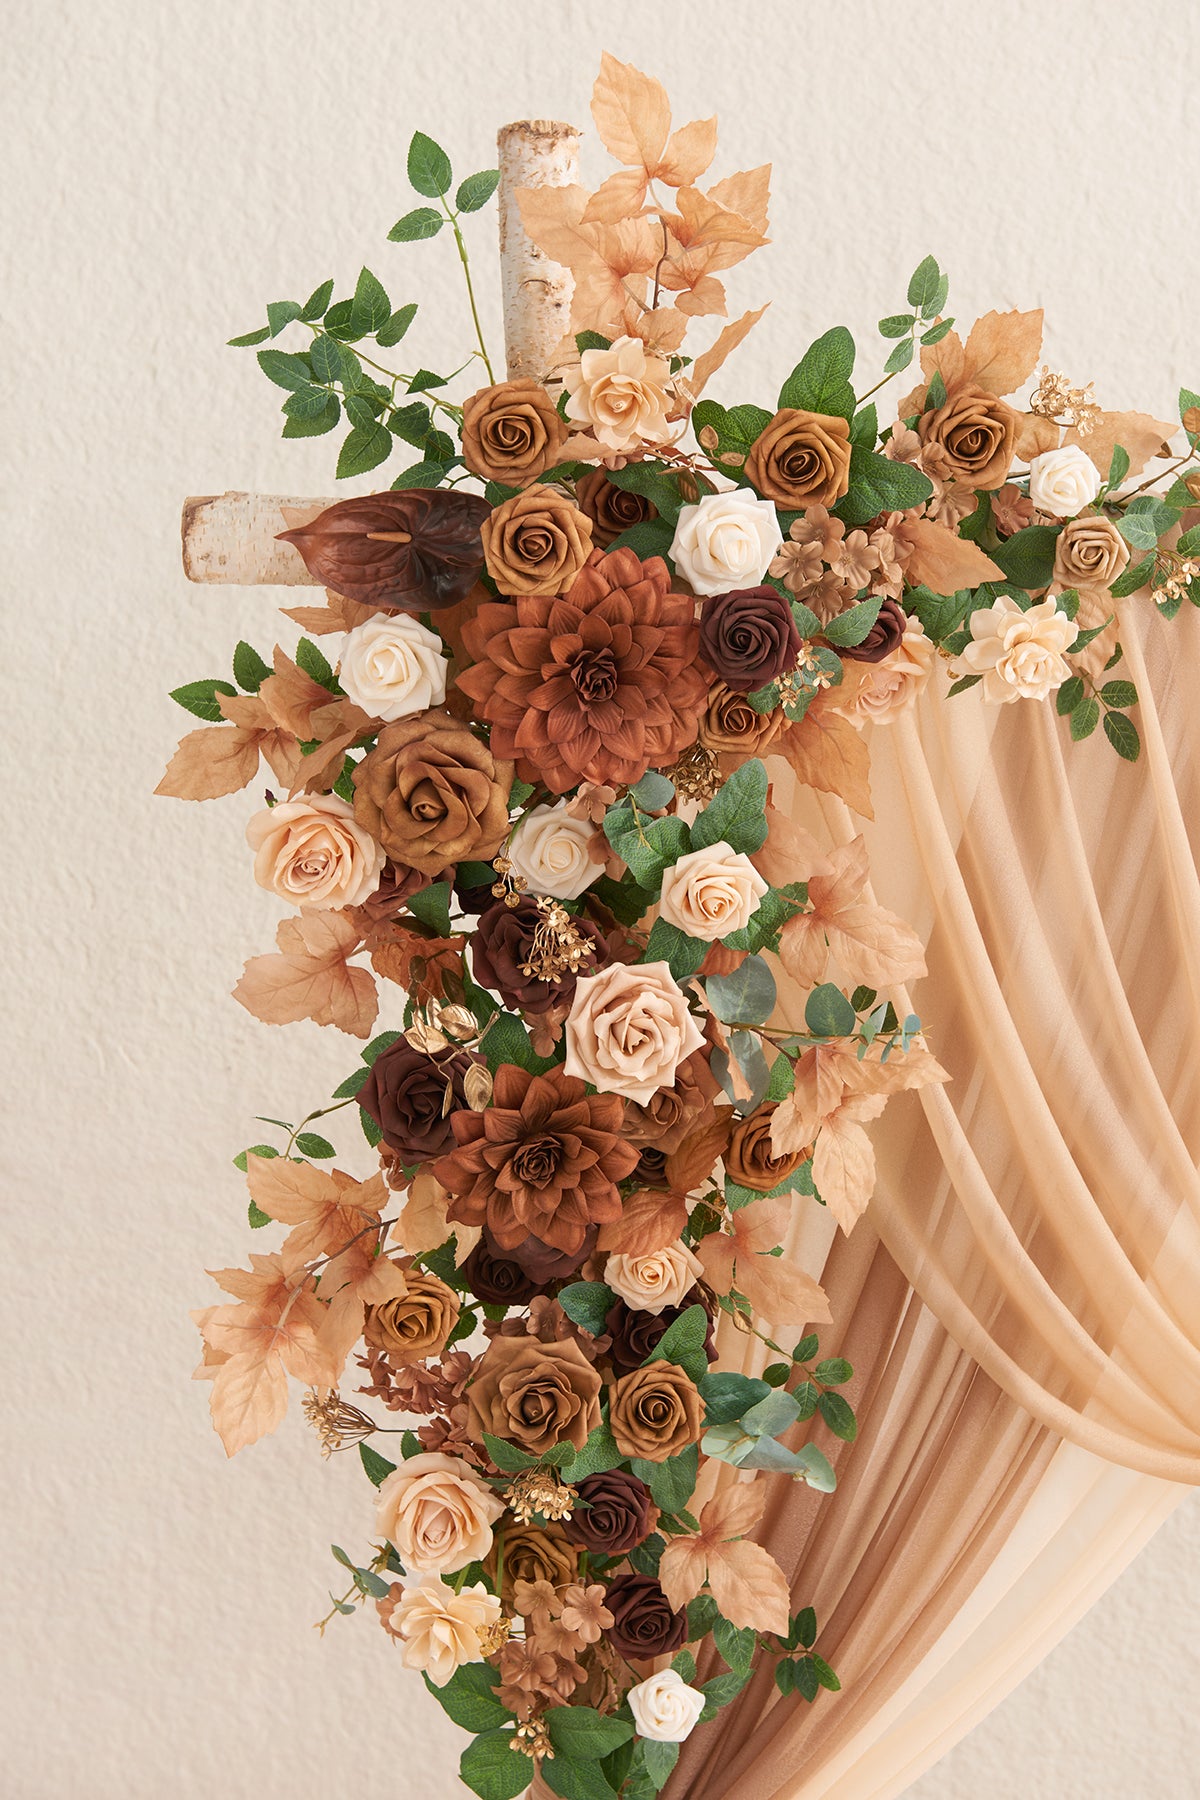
x,y
438,1513
629,1029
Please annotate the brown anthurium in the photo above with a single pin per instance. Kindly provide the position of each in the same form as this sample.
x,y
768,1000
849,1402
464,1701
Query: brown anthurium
x,y
418,548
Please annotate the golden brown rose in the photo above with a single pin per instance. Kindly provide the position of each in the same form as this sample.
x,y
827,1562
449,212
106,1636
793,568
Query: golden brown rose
x,y
532,1553
611,509
512,432
750,1160
656,1412
976,433
801,459
534,1394
1090,553
416,1325
432,793
536,543
730,726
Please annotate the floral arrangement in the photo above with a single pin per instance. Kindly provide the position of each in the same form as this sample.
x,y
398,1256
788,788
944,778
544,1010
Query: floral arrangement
x,y
530,791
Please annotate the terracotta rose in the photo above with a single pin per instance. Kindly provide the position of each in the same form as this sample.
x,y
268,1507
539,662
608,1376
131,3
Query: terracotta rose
x,y
750,1160
536,543
801,459
432,793
655,1412
976,434
512,432
537,1395
415,1326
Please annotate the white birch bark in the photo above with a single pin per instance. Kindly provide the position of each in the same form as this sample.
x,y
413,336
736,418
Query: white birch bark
x,y
536,292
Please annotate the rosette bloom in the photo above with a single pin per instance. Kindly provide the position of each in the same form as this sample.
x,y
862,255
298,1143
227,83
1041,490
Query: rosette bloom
x,y
629,1029
438,1513
1020,654
501,947
801,459
312,853
611,509
597,685
432,794
543,1159
440,1630
665,1709
749,637
512,432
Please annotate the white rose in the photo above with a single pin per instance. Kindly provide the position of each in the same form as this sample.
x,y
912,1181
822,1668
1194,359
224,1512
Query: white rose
x,y
664,1707
392,666
553,851
709,893
725,542
1064,481
1020,654
661,1278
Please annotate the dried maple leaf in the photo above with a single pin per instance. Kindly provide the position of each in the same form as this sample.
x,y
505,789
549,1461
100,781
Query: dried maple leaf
x,y
338,614
778,1287
827,753
728,340
696,1157
649,1221
748,193
871,945
941,559
632,113
220,759
425,966
790,853
999,356
844,1159
423,1223
292,697
311,976
705,295
1139,434
745,1580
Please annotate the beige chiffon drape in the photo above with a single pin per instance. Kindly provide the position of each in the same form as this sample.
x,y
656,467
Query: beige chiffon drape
x,y
1022,1301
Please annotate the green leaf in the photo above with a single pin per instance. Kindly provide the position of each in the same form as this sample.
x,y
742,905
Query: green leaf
x,y
896,325
378,1045
660,1760
315,664
580,1732
492,1769
370,1130
1135,576
1119,693
864,426
1188,400
317,424
200,698
820,382
804,1679
683,1339
825,1674
249,337
309,1143
285,369
653,791
371,307
1027,557
509,1457
835,1371
924,284
1085,718
736,815
507,1041
963,683
470,1698
575,1779
650,850
280,314
428,166
587,1303
327,363
317,302
308,403
592,340
599,1454
377,1467
851,627
1138,529
747,995
348,1088
1118,467
838,1415
727,1395
422,222
804,1628
807,1348
1122,734
431,906
772,912
421,475
940,614
682,954
625,900
877,484
249,669
393,329
828,1013
736,428
722,1689
651,537
257,1217
654,483
1069,695
365,448
937,332
477,190
671,1482
900,357
735,1645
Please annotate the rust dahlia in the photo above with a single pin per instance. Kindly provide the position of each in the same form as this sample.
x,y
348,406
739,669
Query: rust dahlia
x,y
544,1159
598,684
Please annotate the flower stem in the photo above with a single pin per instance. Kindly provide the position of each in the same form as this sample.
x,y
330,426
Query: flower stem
x,y
465,260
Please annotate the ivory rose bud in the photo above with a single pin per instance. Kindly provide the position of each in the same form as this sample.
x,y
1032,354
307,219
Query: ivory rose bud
x,y
392,665
661,1278
552,849
620,395
709,893
1020,654
629,1029
880,692
665,1709
726,541
438,1513
1063,481
439,1630
314,854
1090,553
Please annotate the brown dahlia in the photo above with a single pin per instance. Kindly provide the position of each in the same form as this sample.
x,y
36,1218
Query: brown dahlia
x,y
596,685
544,1160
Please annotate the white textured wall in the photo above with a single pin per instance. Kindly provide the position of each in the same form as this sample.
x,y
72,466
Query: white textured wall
x,y
169,169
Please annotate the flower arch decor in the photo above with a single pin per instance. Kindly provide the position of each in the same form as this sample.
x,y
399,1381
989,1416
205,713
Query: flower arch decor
x,y
522,821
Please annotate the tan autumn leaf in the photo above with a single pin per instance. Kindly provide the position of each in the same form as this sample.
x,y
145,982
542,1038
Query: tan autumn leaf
x,y
748,192
703,298
338,614
553,217
280,748
649,1221
622,194
822,1074
337,725
915,1067
778,1287
790,853
745,1580
1035,435
1097,611
871,945
724,234
844,1167
311,977
631,112
216,760
271,1333
728,340
248,1400
330,1212
828,754
941,559
293,698
661,330
423,1223
693,1161
1002,350
1139,434
689,150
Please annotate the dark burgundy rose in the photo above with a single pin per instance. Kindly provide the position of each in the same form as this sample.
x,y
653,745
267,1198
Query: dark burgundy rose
x,y
544,1263
396,883
611,509
883,637
416,548
749,637
636,1334
501,943
644,1624
405,1094
619,1513
496,1278
652,1167
474,899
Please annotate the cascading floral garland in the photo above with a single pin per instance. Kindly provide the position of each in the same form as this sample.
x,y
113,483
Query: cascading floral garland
x,y
534,792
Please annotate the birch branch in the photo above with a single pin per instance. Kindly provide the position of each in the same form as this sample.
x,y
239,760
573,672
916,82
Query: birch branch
x,y
536,292
233,538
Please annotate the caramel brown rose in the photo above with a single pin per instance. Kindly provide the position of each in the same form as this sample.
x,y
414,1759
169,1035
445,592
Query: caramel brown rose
x,y
885,635
611,509
543,1159
645,1624
432,793
669,1115
801,459
416,1325
512,432
655,1412
635,1335
976,434
406,1095
749,637
730,726
1090,553
533,1553
534,1394
496,1279
536,543
502,944
750,1160
616,1514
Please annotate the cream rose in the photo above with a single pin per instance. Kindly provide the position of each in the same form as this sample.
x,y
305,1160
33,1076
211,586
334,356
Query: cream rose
x,y
439,1629
620,395
392,666
314,854
1063,481
664,1707
553,851
438,1513
629,1029
648,1283
726,541
709,893
1020,654
881,691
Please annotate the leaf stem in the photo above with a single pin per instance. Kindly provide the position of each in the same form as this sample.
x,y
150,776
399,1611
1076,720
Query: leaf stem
x,y
465,260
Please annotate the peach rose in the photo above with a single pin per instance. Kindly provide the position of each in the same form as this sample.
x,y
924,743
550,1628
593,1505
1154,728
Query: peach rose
x,y
440,1630
314,854
629,1029
620,395
438,1513
1090,553
709,893
650,1283
1020,653
880,692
